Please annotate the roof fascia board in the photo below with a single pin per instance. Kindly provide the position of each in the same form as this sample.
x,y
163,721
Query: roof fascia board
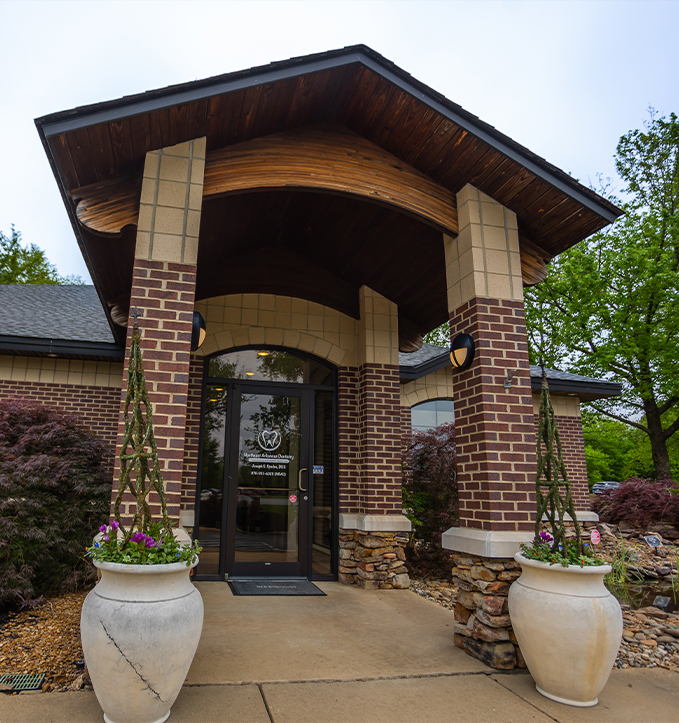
x,y
179,97
86,119
601,389
61,346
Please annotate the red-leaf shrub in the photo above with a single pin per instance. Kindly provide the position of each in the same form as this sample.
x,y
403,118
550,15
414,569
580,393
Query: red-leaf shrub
x,y
430,496
55,487
640,502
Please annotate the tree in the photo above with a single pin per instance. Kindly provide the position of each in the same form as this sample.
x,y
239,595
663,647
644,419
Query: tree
x,y
609,306
27,265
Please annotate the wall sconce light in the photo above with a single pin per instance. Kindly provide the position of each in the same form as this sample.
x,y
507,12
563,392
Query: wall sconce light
x,y
462,352
198,332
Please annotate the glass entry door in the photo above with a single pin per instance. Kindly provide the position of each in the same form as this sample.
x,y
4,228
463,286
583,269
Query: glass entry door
x,y
269,483
267,497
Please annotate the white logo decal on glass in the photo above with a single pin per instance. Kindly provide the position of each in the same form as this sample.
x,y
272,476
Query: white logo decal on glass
x,y
269,439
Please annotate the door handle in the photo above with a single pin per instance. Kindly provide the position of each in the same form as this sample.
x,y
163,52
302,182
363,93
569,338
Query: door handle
x,y
299,479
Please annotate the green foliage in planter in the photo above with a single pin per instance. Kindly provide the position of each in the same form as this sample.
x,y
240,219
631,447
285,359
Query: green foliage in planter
x,y
554,498
55,486
430,496
153,548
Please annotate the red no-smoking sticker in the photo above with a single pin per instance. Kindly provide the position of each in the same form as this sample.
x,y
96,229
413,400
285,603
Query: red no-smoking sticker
x,y
293,498
596,537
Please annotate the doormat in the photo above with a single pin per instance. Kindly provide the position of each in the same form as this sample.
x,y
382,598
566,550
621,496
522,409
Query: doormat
x,y
264,586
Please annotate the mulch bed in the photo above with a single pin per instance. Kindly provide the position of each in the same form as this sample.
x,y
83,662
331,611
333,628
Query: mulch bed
x,y
45,639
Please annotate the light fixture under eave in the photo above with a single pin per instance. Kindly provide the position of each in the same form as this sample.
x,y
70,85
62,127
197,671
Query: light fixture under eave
x,y
262,353
198,332
462,352
250,374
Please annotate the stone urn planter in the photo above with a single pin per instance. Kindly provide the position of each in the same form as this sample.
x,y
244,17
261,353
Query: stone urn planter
x,y
140,628
568,626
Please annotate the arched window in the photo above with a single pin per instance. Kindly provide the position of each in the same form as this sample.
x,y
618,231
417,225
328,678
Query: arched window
x,y
429,415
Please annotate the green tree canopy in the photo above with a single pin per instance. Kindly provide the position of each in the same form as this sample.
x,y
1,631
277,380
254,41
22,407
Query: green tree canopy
x,y
609,306
27,265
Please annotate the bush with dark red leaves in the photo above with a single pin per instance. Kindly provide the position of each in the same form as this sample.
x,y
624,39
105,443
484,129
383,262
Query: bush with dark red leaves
x,y
640,502
430,497
55,487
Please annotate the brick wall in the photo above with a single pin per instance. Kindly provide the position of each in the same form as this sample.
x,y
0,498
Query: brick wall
x,y
379,418
495,427
573,446
192,437
349,441
163,292
98,407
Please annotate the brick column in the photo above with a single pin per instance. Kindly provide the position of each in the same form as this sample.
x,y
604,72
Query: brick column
x,y
373,529
163,292
495,432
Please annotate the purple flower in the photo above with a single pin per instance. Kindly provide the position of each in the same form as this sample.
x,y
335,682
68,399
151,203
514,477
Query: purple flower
x,y
150,542
545,538
138,537
102,528
107,538
114,525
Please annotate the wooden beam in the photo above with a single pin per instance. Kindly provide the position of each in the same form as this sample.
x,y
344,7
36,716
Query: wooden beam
x,y
331,158
323,157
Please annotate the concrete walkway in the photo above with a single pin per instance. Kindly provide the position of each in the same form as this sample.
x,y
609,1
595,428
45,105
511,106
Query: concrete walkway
x,y
354,656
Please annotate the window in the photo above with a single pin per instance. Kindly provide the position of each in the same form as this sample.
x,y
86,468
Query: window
x,y
429,415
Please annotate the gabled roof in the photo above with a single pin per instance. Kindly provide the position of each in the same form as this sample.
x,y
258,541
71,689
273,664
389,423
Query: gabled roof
x,y
431,358
354,88
38,319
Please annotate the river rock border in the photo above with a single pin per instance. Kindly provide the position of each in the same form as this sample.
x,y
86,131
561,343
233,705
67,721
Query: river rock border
x,y
482,625
373,560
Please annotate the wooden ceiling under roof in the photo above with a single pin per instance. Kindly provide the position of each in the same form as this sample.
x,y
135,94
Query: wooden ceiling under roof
x,y
334,242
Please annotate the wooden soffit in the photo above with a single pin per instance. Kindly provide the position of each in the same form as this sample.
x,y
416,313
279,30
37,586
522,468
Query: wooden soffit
x,y
325,157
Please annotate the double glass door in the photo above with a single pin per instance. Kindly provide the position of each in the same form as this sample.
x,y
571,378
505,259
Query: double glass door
x,y
265,505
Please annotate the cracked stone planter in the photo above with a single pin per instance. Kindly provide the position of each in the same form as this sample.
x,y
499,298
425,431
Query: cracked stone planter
x,y
569,628
140,628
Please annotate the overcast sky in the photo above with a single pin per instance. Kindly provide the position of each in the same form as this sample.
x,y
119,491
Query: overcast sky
x,y
565,79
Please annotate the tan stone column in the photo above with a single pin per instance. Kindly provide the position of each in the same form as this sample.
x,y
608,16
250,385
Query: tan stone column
x,y
493,404
163,292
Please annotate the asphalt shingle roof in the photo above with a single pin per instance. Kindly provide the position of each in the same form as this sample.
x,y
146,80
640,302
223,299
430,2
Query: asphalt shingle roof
x,y
53,311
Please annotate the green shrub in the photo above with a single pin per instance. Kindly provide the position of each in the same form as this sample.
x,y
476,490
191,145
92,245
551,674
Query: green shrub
x,y
55,487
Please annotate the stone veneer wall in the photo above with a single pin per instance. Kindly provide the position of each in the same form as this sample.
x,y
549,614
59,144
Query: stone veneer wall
x,y
90,390
482,625
373,560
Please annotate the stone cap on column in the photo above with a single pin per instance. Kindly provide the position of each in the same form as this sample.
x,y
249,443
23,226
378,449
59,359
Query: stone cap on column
x,y
171,202
484,260
377,341
374,523
484,543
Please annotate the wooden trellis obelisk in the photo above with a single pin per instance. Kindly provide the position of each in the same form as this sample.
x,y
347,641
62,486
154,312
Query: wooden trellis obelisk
x,y
139,454
552,487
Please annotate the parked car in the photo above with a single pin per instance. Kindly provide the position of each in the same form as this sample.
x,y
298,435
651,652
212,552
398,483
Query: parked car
x,y
604,486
